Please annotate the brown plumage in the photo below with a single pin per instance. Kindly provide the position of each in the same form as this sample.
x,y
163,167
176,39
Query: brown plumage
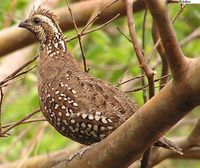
x,y
80,107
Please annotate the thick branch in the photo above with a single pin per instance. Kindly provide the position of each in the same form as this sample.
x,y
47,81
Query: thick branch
x,y
175,56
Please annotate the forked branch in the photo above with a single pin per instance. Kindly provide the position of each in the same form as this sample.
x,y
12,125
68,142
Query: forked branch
x,y
177,61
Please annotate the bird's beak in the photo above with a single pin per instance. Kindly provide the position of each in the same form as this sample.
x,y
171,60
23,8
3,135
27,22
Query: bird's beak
x,y
23,24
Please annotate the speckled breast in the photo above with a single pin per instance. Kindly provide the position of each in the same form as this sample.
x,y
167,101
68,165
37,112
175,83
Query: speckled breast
x,y
64,113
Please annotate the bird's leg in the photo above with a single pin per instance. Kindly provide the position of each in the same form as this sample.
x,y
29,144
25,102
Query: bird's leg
x,y
80,152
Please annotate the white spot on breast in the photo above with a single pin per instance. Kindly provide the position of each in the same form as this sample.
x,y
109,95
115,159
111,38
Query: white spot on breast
x,y
67,114
110,127
72,121
83,125
56,106
95,127
52,114
102,128
98,113
75,104
84,116
73,91
57,92
104,120
91,117
89,125
56,45
70,101
59,113
102,135
70,110
97,118
63,107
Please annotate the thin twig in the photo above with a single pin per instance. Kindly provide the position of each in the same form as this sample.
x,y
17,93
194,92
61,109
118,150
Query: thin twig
x,y
122,33
93,30
140,88
20,121
25,122
143,49
162,54
147,70
195,34
20,74
129,80
97,16
79,38
144,29
12,75
1,100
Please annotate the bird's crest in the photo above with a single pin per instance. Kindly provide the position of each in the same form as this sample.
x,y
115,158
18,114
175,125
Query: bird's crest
x,y
43,11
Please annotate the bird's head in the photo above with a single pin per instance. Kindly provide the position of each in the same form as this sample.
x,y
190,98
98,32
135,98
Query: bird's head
x,y
43,23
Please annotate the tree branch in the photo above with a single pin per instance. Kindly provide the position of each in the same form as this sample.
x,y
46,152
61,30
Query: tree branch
x,y
161,51
174,54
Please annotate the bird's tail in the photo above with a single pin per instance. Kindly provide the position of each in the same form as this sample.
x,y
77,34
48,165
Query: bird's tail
x,y
165,143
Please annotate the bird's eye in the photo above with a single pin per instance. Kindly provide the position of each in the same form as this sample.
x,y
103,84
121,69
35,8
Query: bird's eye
x,y
36,20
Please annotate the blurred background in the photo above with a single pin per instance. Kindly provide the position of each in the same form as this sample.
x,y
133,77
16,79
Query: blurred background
x,y
110,56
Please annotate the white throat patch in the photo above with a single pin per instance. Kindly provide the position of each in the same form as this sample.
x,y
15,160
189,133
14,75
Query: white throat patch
x,y
49,21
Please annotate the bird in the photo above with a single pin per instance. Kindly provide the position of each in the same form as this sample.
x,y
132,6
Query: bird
x,y
79,106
